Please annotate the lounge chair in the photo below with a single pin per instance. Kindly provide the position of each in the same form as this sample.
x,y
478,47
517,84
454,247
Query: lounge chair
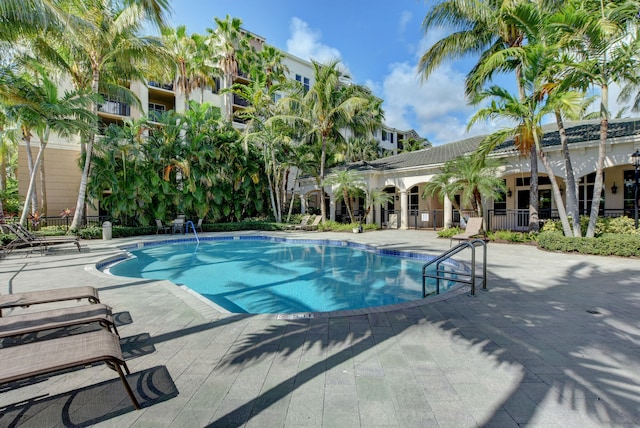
x,y
24,238
199,224
303,222
474,228
314,225
49,356
29,298
31,322
161,227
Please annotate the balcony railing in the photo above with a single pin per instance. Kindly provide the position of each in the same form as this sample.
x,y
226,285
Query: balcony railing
x,y
239,101
115,107
165,86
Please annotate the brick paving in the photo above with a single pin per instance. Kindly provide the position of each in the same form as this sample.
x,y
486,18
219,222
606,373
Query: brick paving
x,y
554,342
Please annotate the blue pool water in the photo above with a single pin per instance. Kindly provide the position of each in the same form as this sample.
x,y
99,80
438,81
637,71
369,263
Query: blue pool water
x,y
259,276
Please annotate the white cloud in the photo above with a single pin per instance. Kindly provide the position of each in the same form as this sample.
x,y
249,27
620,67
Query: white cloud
x,y
405,19
305,43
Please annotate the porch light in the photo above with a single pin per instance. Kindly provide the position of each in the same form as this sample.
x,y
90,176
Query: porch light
x,y
635,160
508,193
614,188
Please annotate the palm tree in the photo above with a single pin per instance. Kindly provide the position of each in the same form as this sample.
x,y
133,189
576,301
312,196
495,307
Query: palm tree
x,y
597,35
100,52
326,109
361,149
188,54
348,186
229,45
45,112
472,177
482,30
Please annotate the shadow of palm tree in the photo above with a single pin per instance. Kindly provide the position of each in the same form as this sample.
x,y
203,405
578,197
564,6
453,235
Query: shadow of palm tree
x,y
559,351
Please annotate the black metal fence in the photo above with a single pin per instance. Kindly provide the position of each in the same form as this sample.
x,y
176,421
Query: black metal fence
x,y
64,222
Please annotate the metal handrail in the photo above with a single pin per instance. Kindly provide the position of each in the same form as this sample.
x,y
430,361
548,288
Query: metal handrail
x,y
457,275
190,223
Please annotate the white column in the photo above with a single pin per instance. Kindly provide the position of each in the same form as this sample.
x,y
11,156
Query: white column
x,y
404,210
377,213
303,204
448,213
332,207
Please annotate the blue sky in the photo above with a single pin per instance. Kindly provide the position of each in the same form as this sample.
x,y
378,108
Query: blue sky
x,y
379,42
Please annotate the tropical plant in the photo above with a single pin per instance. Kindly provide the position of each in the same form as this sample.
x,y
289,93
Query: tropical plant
x,y
348,187
329,107
229,46
472,177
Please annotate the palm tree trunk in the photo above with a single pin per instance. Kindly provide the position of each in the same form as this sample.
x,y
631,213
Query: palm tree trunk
x,y
572,193
32,184
32,196
534,219
84,178
566,228
43,187
323,155
597,185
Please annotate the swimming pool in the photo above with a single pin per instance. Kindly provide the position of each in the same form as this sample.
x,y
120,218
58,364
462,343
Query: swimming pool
x,y
269,275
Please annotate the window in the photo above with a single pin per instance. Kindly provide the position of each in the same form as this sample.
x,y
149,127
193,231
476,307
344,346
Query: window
x,y
385,135
585,194
629,190
500,204
156,110
304,81
414,200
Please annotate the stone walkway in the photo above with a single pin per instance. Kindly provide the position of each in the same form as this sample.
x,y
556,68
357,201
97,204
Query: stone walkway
x,y
554,342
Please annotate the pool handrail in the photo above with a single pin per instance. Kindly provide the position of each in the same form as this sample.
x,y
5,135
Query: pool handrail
x,y
455,275
193,227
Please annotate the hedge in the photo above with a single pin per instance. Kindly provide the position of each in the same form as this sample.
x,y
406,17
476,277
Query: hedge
x,y
623,245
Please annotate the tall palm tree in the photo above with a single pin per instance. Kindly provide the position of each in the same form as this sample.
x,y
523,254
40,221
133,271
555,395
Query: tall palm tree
x,y
101,53
600,39
188,54
327,108
229,45
480,30
46,111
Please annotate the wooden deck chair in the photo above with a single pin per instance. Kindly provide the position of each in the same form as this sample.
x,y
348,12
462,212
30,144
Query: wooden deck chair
x,y
303,221
474,228
32,322
314,225
49,356
29,298
199,225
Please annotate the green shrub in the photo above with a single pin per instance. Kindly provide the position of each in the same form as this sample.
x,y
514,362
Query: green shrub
x,y
603,225
448,232
623,245
511,236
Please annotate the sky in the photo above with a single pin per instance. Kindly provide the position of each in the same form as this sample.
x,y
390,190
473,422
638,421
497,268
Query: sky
x,y
378,42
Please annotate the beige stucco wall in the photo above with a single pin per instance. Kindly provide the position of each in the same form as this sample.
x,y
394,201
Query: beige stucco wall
x,y
62,177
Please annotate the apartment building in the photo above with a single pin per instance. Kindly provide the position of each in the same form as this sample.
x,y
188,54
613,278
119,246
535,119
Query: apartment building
x,y
62,155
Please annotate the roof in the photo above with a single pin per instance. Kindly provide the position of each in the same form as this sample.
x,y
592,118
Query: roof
x,y
577,132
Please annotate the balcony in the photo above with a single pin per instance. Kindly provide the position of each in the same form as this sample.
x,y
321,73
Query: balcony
x,y
115,107
165,86
239,101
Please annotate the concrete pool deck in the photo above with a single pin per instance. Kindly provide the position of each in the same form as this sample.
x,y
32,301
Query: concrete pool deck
x,y
554,342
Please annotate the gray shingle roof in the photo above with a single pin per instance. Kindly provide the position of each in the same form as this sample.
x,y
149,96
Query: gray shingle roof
x,y
577,132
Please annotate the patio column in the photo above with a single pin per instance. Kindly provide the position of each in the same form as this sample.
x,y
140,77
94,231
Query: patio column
x,y
404,210
303,204
332,207
448,213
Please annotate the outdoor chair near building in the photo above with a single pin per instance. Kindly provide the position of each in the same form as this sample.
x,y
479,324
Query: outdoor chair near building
x,y
473,229
303,222
199,225
178,225
161,227
314,224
